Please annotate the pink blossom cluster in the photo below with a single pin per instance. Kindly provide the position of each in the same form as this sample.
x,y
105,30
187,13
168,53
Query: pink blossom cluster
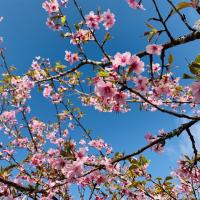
x,y
98,144
109,96
154,49
141,83
93,20
124,59
159,147
37,68
81,36
51,6
71,57
22,89
188,176
135,4
52,24
8,117
196,91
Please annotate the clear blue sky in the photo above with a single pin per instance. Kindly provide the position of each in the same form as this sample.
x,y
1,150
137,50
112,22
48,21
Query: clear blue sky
x,y
26,36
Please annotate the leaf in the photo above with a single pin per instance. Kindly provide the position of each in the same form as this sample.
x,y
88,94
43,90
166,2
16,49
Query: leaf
x,y
151,35
63,20
103,74
181,6
170,59
187,76
194,68
197,59
168,178
106,38
150,26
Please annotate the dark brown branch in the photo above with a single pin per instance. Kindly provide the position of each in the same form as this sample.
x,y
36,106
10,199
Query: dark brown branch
x,y
162,21
193,146
175,132
157,107
178,41
183,18
84,62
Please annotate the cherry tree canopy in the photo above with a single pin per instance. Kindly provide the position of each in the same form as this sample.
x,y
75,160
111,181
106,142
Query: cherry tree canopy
x,y
44,158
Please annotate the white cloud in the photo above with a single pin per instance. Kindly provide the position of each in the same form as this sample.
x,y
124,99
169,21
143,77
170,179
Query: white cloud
x,y
183,146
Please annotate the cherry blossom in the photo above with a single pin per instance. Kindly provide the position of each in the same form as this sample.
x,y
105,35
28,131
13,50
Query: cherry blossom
x,y
109,19
71,57
93,20
104,89
136,64
196,91
51,6
154,49
122,59
135,5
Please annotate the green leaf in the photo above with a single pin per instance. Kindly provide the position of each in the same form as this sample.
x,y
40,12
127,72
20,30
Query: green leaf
x,y
170,59
106,38
63,20
151,27
187,76
151,35
181,6
194,68
168,178
197,59
103,74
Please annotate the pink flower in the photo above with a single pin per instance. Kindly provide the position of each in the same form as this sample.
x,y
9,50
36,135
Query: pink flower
x,y
156,67
47,91
64,2
104,89
148,136
51,6
35,65
122,59
71,57
109,19
141,83
93,20
8,117
158,147
196,91
154,49
121,97
98,144
56,98
71,126
136,64
135,5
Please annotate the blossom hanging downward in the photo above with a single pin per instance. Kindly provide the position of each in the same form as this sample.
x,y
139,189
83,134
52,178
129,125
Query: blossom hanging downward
x,y
71,57
93,20
105,89
135,5
51,6
196,91
121,59
109,19
154,49
136,65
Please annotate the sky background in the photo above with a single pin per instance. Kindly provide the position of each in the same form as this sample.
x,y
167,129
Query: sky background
x,y
26,36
